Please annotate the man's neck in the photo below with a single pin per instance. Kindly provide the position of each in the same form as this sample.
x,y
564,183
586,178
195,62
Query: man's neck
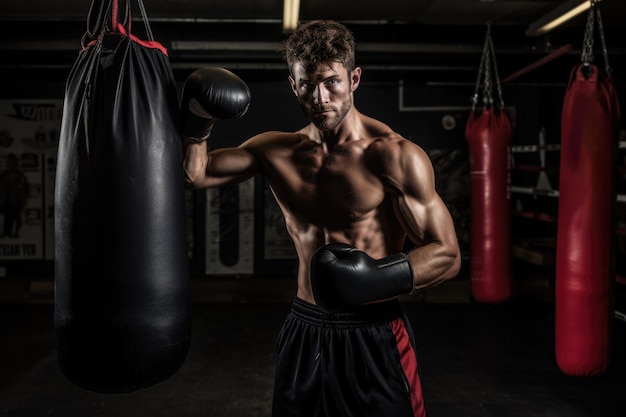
x,y
348,130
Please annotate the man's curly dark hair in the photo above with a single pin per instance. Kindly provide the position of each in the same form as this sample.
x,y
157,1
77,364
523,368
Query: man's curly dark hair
x,y
320,41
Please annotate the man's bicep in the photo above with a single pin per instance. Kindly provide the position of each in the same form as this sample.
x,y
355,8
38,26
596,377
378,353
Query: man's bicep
x,y
425,214
427,222
229,165
439,223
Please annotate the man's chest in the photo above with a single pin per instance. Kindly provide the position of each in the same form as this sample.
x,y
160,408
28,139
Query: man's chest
x,y
316,185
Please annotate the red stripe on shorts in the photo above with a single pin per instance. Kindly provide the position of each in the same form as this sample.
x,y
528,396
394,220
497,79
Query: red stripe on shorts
x,y
408,360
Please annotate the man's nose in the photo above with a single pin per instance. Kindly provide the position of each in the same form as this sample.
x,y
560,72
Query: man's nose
x,y
320,95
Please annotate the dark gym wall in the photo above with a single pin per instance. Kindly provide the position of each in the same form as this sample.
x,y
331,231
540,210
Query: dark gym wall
x,y
274,107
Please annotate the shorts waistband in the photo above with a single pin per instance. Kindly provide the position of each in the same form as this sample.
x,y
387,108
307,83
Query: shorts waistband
x,y
377,313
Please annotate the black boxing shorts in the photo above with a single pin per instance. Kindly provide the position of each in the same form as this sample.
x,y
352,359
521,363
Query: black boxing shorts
x,y
359,363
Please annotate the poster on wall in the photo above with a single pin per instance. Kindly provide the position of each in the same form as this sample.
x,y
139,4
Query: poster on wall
x,y
230,229
29,135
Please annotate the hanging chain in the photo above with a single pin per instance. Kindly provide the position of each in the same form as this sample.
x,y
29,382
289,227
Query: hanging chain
x,y
587,53
488,89
495,72
605,52
587,56
481,68
488,75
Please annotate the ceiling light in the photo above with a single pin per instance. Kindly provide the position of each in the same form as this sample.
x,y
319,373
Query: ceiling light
x,y
291,13
557,17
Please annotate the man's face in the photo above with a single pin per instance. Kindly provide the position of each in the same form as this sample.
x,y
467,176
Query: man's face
x,y
325,92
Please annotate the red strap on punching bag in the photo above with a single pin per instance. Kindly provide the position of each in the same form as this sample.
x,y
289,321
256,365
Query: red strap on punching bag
x,y
96,28
488,133
585,250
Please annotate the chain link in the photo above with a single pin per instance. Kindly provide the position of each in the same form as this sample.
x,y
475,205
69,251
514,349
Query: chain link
x,y
587,52
487,88
587,56
495,72
487,75
483,59
605,52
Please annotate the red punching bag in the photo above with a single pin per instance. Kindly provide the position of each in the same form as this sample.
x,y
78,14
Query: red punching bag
x,y
488,133
122,312
585,271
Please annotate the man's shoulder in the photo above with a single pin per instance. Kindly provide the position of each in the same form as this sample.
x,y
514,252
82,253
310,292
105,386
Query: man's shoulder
x,y
393,144
383,138
275,138
394,156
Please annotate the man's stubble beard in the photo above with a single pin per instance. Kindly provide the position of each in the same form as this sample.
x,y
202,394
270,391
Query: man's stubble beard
x,y
330,123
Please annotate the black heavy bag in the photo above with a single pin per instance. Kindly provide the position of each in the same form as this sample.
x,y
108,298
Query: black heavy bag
x,y
122,311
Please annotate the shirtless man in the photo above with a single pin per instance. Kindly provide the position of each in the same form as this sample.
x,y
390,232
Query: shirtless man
x,y
351,191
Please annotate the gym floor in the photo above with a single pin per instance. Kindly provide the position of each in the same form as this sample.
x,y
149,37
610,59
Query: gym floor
x,y
477,361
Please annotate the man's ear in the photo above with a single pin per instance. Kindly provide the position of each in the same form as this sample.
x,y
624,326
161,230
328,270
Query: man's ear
x,y
292,82
355,79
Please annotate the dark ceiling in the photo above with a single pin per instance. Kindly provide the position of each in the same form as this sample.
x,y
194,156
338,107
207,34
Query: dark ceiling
x,y
428,40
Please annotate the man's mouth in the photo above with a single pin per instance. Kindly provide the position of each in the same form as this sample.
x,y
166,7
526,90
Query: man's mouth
x,y
322,110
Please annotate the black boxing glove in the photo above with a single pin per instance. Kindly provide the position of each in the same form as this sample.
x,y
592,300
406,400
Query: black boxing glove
x,y
210,94
343,276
